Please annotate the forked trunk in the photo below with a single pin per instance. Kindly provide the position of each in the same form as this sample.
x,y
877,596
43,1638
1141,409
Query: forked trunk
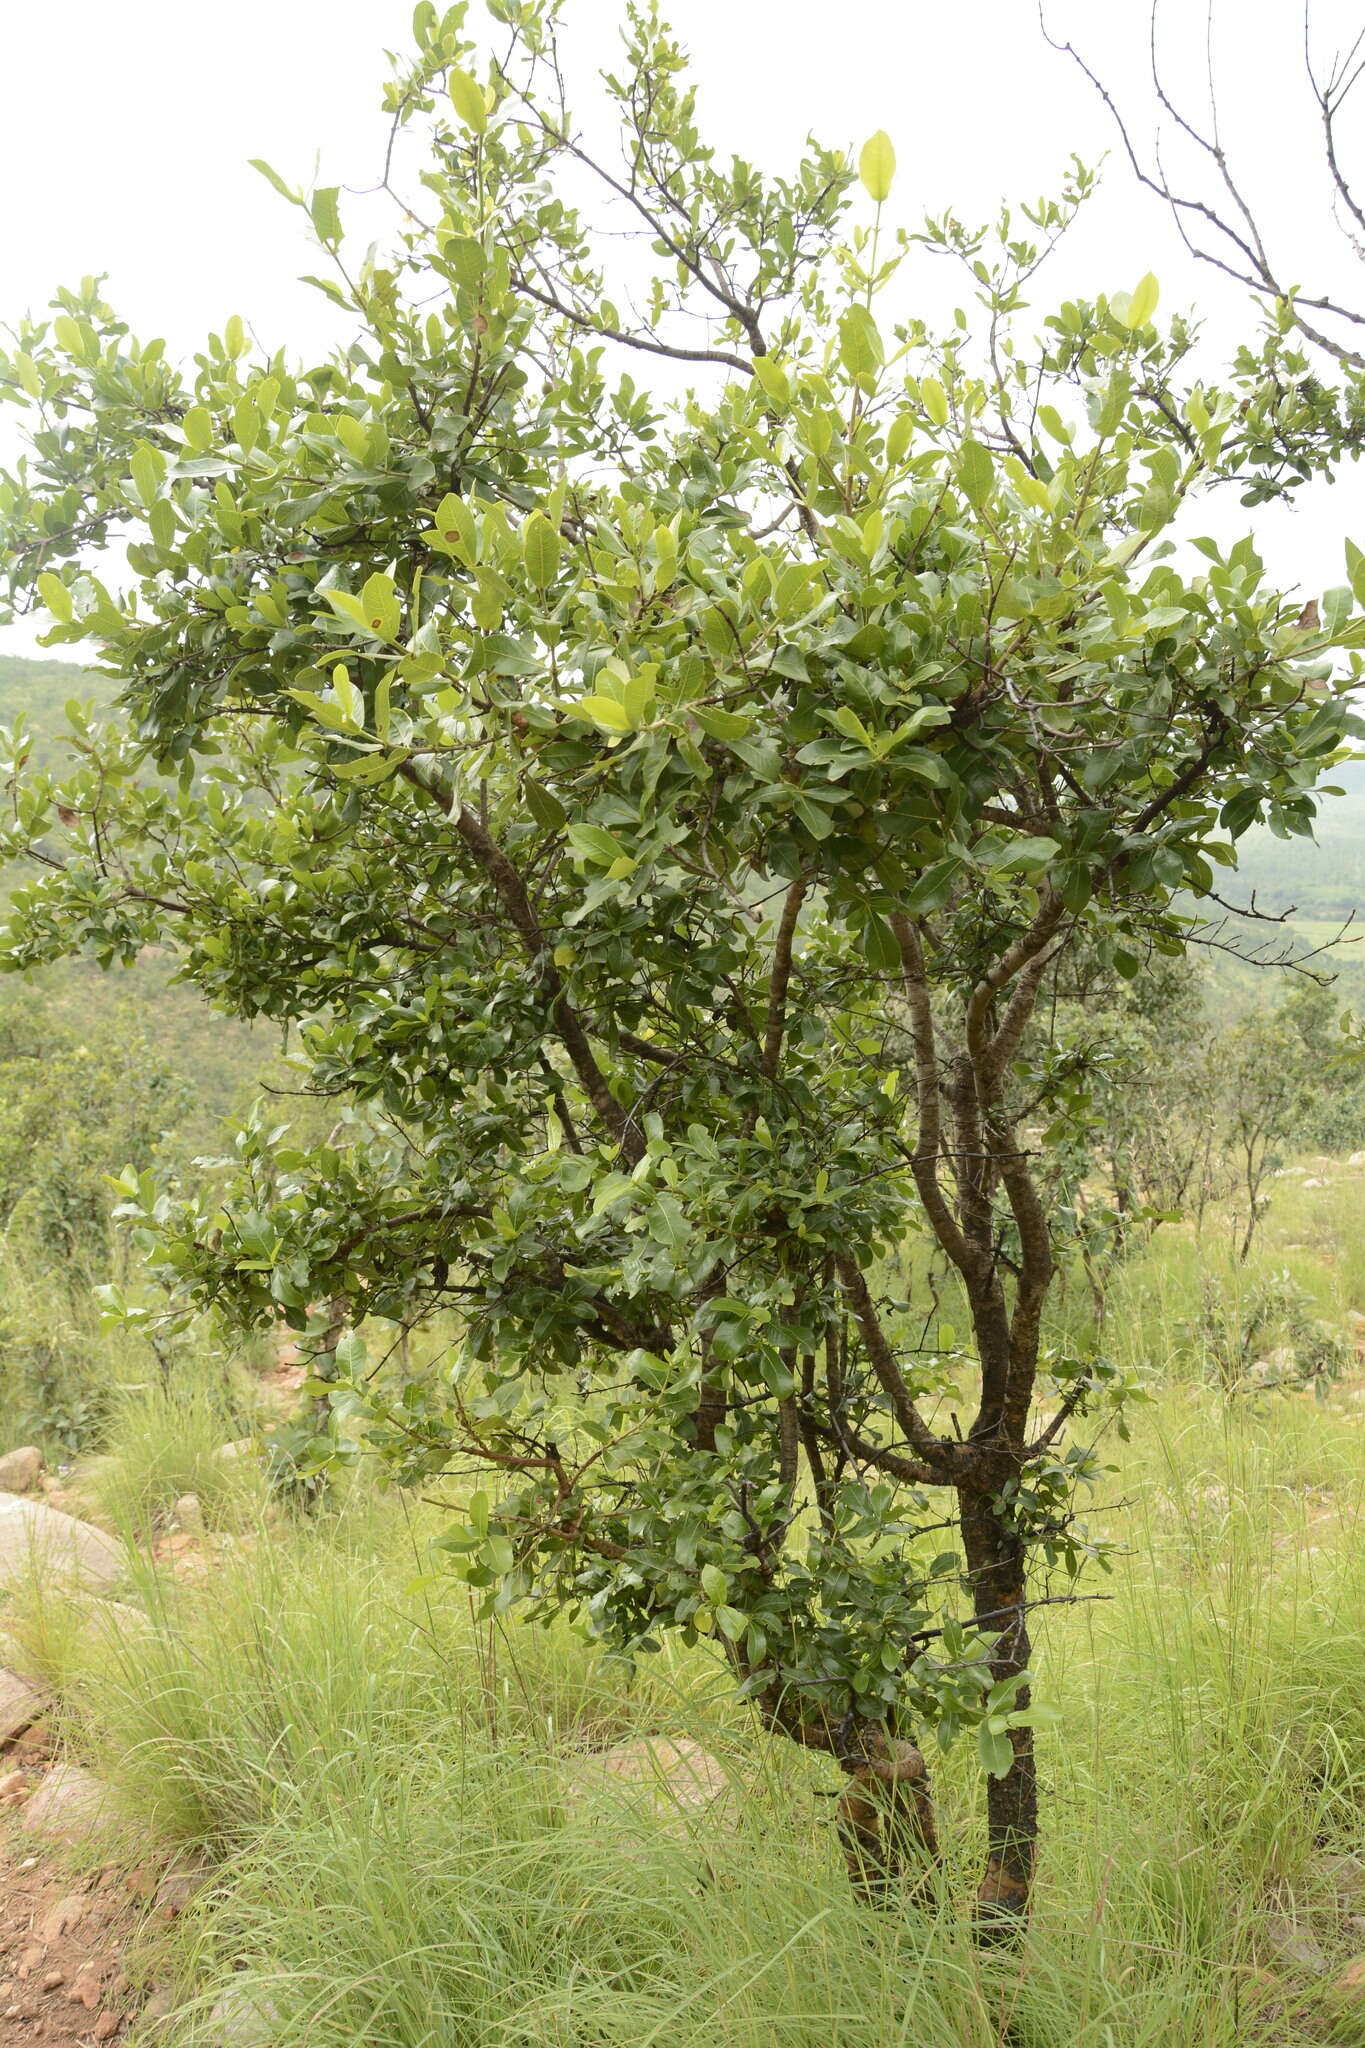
x,y
995,1562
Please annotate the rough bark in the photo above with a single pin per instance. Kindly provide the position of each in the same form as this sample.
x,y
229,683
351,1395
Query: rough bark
x,y
886,1823
995,1562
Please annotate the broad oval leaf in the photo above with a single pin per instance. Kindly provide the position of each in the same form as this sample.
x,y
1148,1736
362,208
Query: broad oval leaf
x,y
877,165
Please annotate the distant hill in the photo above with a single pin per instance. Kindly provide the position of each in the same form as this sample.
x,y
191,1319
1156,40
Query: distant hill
x,y
220,1056
41,689
1322,877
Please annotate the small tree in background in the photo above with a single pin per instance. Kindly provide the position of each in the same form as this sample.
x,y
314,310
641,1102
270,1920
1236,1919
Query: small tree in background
x,y
606,777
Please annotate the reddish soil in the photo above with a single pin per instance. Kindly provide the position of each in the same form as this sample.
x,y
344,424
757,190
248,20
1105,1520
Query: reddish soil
x,y
61,1946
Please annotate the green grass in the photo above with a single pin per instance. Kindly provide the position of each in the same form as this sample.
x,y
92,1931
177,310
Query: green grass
x,y
384,1785
387,1788
163,1440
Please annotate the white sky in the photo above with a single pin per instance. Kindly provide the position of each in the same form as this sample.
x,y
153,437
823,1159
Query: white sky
x,y
124,141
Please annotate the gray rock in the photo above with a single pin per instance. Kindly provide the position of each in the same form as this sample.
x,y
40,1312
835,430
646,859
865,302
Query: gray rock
x,y
188,1512
1346,1875
69,1804
21,1703
1287,1942
19,1469
117,1621
39,1539
242,2019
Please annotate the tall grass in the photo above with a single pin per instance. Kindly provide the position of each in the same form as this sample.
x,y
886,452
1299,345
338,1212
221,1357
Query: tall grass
x,y
403,1858
410,1854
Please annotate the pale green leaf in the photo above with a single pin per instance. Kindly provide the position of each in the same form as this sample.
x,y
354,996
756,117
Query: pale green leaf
x,y
466,96
877,165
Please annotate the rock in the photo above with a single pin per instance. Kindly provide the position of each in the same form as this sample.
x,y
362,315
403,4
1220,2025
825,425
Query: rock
x,y
1314,1182
69,1803
1349,1987
1356,1159
1289,1943
242,2019
177,1888
66,1914
19,1469
106,2026
673,1778
37,1538
228,1454
1346,1875
87,1987
20,1704
188,1512
13,1787
37,1744
160,2005
117,1619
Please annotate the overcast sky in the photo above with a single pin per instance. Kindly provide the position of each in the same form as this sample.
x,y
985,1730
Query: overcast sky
x,y
125,133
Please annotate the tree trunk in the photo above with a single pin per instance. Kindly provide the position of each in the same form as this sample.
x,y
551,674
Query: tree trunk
x,y
995,1562
886,1823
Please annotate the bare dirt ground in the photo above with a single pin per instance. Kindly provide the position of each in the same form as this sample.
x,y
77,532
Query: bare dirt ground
x,y
61,1949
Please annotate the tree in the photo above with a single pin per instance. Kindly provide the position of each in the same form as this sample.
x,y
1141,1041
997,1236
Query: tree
x,y
606,776
1188,164
73,1110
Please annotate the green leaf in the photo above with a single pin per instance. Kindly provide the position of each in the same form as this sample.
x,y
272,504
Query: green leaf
x,y
773,379
466,96
541,550
603,711
721,725
56,597
379,603
148,466
596,844
325,217
668,1225
877,165
933,888
860,343
545,808
975,473
1142,304
1029,853
289,192
714,1583
348,606
935,400
1355,570
995,1749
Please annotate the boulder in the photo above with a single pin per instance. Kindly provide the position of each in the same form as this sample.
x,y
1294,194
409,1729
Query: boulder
x,y
230,1454
1346,1875
37,1538
673,1778
1287,1942
19,1469
242,2019
20,1704
1349,1988
188,1512
70,1803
